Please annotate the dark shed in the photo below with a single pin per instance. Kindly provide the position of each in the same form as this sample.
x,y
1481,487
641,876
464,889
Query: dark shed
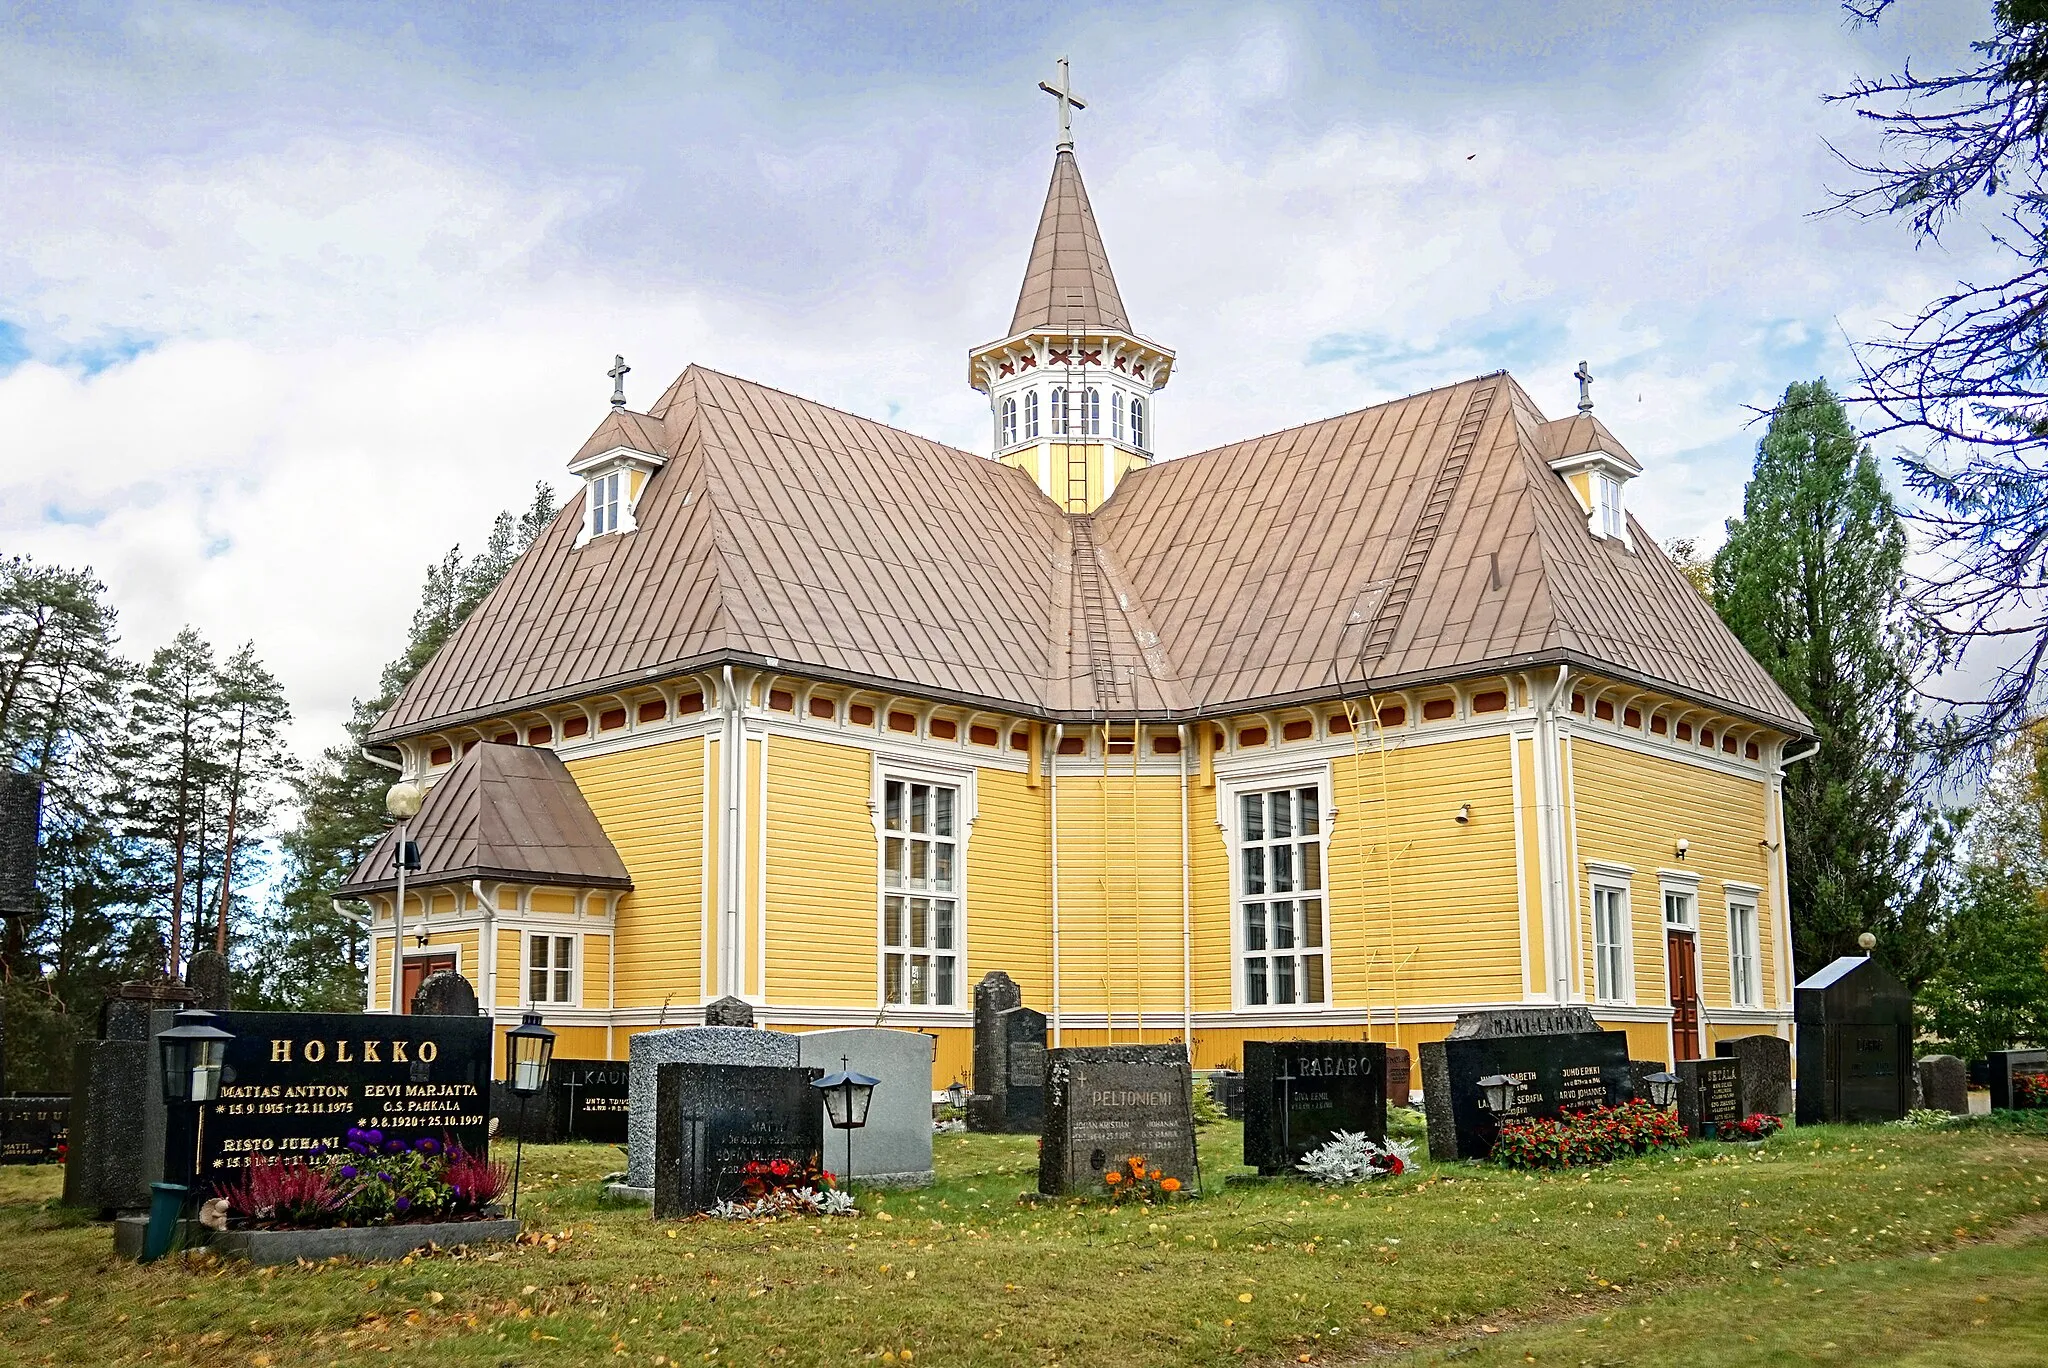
x,y
1855,1043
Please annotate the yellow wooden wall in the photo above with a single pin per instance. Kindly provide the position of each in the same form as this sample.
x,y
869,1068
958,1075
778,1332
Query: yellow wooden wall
x,y
651,803
1120,896
1009,882
823,901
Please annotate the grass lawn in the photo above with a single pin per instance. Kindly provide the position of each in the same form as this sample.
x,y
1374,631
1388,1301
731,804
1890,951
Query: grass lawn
x,y
1836,1245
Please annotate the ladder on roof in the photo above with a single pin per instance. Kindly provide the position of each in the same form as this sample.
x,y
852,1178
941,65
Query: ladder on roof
x,y
1077,478
1094,612
1422,537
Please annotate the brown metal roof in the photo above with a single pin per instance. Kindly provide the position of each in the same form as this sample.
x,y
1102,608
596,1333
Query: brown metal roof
x,y
509,813
1067,283
1420,539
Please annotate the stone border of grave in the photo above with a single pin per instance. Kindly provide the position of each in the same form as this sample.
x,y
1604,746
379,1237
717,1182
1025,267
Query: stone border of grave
x,y
353,1242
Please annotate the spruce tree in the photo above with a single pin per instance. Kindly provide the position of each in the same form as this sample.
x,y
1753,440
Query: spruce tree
x,y
1811,580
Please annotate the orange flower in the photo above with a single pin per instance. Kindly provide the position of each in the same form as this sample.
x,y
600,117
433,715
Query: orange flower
x,y
1138,1162
1112,1177
1170,1184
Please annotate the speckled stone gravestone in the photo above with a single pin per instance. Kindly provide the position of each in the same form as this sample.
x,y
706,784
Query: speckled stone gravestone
x,y
1944,1084
894,1149
116,1121
1108,1104
684,1045
1558,1055
1766,1072
212,982
446,993
729,1011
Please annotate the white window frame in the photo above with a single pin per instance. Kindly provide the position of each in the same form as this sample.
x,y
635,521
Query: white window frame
x,y
527,935
1679,884
607,497
1116,415
1745,989
1091,412
1138,424
1614,879
1060,412
1609,519
1007,429
1230,792
961,782
1031,415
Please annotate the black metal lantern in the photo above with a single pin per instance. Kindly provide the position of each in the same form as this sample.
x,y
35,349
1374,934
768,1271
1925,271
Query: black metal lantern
x,y
1497,1093
847,1096
194,1050
956,1095
1663,1089
529,1053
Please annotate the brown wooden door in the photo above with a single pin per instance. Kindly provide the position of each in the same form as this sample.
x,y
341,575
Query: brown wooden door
x,y
417,970
1683,959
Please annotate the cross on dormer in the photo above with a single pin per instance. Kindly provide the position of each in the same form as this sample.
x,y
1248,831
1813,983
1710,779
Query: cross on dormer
x,y
1069,102
1585,379
618,373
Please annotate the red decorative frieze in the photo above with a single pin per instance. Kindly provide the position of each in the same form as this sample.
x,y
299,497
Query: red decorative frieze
x,y
1092,358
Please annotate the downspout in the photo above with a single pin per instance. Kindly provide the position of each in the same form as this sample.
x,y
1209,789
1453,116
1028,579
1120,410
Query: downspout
x,y
397,912
487,947
1550,829
729,839
1187,962
370,970
1784,882
1052,792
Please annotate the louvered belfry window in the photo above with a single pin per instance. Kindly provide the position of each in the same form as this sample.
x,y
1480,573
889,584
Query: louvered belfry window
x,y
920,894
1281,897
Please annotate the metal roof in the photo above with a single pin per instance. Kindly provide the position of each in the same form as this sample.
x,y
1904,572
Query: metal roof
x,y
1067,282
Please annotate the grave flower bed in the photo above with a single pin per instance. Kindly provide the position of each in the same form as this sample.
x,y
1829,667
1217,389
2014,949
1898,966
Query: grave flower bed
x,y
1353,1158
782,1187
1755,1126
372,1181
1137,1183
1575,1140
2030,1090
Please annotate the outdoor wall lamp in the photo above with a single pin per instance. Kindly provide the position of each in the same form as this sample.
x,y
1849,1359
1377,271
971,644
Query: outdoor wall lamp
x,y
1464,813
1683,846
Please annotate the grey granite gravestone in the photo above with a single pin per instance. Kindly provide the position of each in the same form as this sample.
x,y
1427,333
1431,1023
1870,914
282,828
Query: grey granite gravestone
x,y
116,1136
212,982
1766,1073
712,1120
446,993
2004,1065
894,1149
1569,1072
1299,1093
1709,1095
683,1045
1523,1021
1944,1084
729,1011
995,994
1108,1104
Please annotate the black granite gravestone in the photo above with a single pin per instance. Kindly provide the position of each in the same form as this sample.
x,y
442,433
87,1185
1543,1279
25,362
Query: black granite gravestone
x,y
294,1083
1766,1072
33,1129
2005,1064
21,818
444,993
211,980
1709,1096
1855,1044
995,994
591,1099
1299,1093
1106,1105
116,1124
1227,1087
711,1120
1022,1030
729,1011
1555,1073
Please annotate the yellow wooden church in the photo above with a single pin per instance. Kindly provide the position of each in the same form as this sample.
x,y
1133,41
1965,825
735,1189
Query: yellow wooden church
x,y
1338,731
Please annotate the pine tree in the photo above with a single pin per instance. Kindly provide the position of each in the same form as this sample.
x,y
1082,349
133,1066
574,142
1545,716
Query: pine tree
x,y
252,715
1811,580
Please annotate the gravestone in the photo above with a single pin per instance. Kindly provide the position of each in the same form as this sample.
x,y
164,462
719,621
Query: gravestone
x,y
1944,1084
1640,1072
591,1099
1571,1072
294,1083
33,1129
1497,1022
894,1149
444,993
1299,1093
533,1119
116,1134
212,982
729,1011
684,1045
1855,1046
1009,1059
1766,1073
1400,1076
1709,1096
1108,1104
2006,1063
21,817
711,1120
1227,1087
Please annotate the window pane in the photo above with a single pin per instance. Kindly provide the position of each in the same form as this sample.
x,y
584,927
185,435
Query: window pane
x,y
892,978
920,807
944,800
920,921
1255,982
562,993
1311,978
1283,868
942,865
942,925
565,950
1283,926
920,986
1255,870
920,864
1307,815
540,952
942,980
1311,921
892,806
1254,817
1311,866
537,986
1283,814
1283,978
1255,926
893,861
892,921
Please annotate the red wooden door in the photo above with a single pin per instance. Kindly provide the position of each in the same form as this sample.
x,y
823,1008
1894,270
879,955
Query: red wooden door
x,y
417,970
1683,959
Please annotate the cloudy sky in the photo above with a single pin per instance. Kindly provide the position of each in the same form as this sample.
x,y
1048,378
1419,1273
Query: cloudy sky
x,y
293,297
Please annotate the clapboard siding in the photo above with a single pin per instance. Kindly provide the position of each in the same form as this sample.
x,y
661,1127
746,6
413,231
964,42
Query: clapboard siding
x,y
821,875
651,803
1009,882
1120,896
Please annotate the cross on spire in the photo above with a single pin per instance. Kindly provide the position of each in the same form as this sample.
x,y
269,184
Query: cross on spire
x,y
1585,379
618,373
1069,102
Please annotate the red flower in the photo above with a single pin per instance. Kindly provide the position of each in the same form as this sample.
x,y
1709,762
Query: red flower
x,y
779,1167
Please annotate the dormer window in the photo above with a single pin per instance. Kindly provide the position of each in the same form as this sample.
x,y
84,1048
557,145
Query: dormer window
x,y
1607,507
604,504
614,481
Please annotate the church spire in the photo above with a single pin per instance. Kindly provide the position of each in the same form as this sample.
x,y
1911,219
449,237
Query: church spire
x,y
1067,282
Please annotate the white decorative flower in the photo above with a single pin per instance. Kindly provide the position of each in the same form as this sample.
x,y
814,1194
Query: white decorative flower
x,y
836,1203
1349,1157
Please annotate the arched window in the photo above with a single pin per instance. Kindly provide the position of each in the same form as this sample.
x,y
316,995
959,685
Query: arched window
x,y
1030,415
1091,413
1008,435
1138,424
1116,415
1059,413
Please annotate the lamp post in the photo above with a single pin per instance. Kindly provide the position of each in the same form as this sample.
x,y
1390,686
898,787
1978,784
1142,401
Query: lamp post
x,y
956,1095
529,1053
1663,1088
402,800
193,1053
1497,1094
847,1096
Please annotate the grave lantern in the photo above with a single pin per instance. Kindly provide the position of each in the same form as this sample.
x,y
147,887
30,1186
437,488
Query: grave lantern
x,y
1663,1089
847,1097
194,1051
529,1053
956,1095
1497,1093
